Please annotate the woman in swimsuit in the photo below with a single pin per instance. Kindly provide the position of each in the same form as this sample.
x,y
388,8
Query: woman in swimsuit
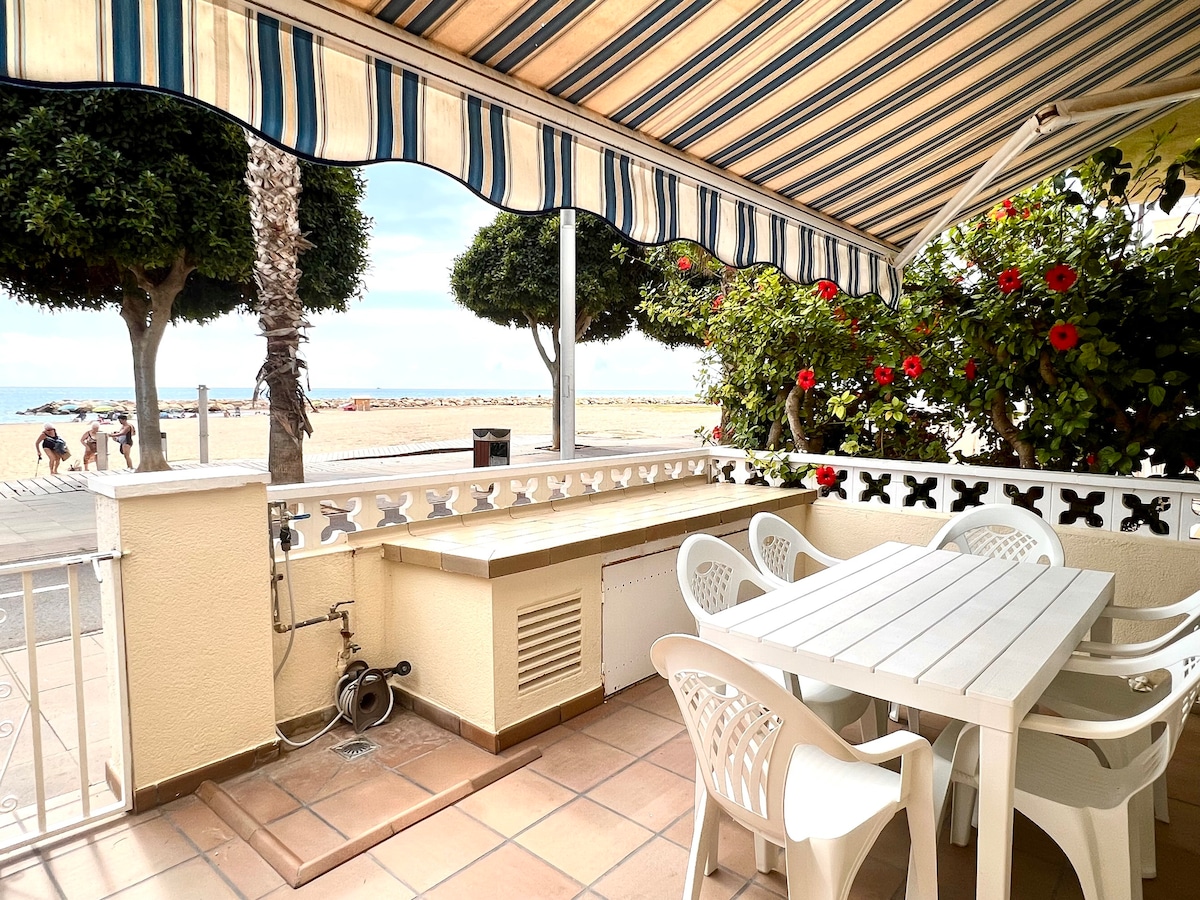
x,y
89,445
48,441
124,438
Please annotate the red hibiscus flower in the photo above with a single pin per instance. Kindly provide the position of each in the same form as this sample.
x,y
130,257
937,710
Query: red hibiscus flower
x,y
1061,277
913,367
854,326
717,433
1007,204
1063,336
807,379
826,290
969,369
684,264
1009,280
716,304
1091,459
1025,213
826,476
884,375
922,328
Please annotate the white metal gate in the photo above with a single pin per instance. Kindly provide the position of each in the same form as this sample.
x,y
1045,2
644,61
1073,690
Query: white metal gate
x,y
63,697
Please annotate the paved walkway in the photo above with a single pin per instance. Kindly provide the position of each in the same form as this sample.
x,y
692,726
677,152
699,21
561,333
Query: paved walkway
x,y
55,516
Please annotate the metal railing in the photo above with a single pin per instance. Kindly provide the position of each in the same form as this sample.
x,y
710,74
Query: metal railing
x,y
48,723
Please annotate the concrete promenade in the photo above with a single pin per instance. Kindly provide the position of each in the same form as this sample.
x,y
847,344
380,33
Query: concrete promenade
x,y
54,517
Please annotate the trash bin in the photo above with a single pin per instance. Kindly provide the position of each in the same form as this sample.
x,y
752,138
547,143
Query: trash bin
x,y
163,435
492,446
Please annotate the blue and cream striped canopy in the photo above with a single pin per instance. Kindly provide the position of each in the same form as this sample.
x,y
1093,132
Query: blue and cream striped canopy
x,y
817,135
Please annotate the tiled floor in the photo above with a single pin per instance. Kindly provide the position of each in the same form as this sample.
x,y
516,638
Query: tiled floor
x,y
605,813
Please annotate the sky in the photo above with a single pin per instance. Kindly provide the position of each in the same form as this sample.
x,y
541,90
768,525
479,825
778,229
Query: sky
x,y
406,332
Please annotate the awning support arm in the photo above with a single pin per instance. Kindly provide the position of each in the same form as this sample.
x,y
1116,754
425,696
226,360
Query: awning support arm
x,y
1047,119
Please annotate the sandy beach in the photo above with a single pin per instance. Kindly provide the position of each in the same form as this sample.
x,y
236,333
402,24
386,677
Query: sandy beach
x,y
338,430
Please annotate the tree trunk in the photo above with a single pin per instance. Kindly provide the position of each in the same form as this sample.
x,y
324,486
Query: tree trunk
x,y
551,367
1010,433
146,310
273,177
792,407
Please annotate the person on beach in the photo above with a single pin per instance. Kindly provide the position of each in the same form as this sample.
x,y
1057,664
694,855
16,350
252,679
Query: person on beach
x,y
48,441
124,438
89,445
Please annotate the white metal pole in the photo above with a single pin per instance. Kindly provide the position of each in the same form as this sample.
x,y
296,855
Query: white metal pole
x,y
202,415
566,332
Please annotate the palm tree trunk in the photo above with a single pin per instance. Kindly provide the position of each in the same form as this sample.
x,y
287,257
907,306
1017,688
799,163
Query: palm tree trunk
x,y
273,177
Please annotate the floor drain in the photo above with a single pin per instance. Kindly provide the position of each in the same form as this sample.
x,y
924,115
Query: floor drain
x,y
354,748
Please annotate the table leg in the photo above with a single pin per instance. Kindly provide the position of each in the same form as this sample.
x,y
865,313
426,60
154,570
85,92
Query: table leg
x,y
997,776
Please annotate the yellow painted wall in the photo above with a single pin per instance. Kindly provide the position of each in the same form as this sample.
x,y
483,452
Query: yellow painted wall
x,y
195,579
442,623
513,594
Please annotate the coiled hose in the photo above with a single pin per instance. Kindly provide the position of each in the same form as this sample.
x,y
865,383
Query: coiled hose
x,y
345,696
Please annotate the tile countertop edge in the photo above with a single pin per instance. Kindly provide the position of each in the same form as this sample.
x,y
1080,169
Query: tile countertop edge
x,y
517,554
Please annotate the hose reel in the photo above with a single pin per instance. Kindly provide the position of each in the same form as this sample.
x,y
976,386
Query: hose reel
x,y
362,694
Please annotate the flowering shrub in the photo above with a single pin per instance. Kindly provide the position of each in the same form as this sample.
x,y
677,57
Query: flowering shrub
x,y
1044,324
1065,338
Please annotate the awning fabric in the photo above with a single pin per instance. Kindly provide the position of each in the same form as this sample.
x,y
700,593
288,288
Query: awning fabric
x,y
820,136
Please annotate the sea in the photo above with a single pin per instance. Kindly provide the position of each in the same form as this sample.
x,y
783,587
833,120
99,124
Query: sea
x,y
14,400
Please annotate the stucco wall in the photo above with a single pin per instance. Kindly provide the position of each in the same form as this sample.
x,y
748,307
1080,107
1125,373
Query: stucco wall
x,y
195,582
318,581
442,623
513,594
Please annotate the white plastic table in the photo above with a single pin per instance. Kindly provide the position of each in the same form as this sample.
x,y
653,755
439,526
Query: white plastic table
x,y
967,637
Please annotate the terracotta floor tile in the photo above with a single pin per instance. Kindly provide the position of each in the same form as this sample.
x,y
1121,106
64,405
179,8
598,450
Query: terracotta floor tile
x,y
757,891
405,737
31,883
634,730
657,871
448,765
201,825
879,881
516,801
593,715
120,859
262,798
510,873
735,845
636,693
583,839
192,880
371,803
241,864
580,762
676,755
662,703
434,849
306,835
315,773
541,741
360,877
647,794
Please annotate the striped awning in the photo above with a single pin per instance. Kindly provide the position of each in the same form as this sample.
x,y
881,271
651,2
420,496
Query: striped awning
x,y
818,135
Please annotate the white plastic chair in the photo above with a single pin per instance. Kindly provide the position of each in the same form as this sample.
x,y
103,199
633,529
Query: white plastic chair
x,y
1088,687
1084,806
777,769
1000,531
776,545
712,577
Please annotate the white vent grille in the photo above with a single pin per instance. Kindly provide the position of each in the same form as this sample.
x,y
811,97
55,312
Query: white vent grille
x,y
549,642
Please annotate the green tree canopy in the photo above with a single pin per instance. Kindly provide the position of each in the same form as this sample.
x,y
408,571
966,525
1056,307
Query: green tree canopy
x,y
137,201
510,275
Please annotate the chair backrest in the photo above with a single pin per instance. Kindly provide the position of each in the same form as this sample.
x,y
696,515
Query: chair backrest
x,y
776,545
743,727
711,575
1181,660
1004,531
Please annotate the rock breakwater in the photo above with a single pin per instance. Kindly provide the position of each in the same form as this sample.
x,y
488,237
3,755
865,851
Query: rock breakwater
x,y
239,407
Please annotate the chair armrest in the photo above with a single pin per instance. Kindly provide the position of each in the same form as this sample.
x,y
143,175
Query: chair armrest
x,y
888,747
1093,730
1185,607
812,552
